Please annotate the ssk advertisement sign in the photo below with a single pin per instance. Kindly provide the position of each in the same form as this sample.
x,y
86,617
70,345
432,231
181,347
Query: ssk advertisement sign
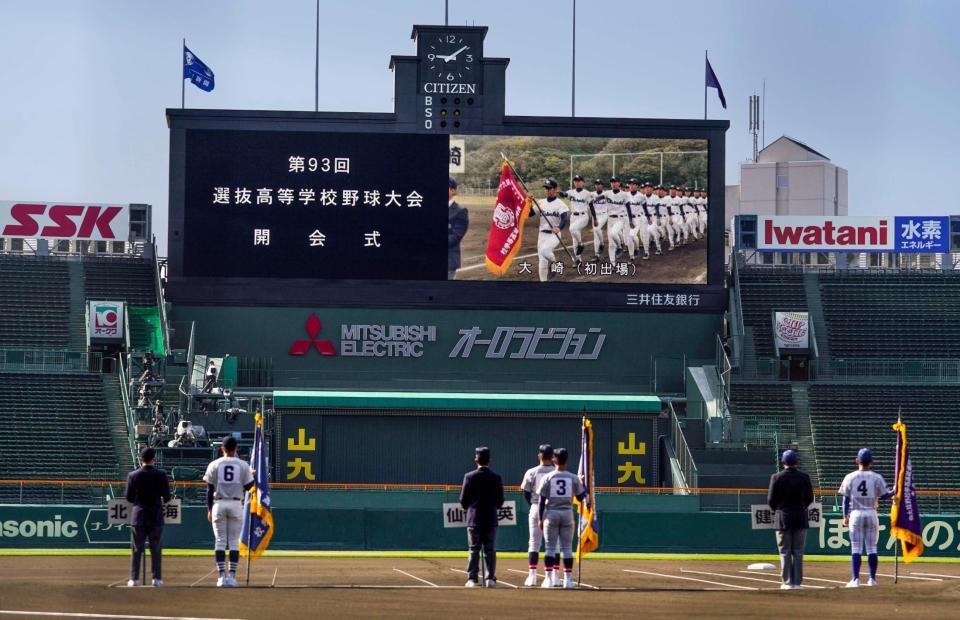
x,y
105,320
906,234
54,220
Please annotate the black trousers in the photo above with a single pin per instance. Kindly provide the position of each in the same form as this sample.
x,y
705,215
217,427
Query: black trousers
x,y
141,533
485,537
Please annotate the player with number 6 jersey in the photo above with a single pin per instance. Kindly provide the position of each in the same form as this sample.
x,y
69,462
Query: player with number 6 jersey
x,y
227,478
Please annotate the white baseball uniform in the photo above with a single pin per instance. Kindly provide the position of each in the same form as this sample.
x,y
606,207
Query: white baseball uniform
x,y
579,216
663,215
618,224
690,221
864,488
559,488
228,475
638,223
531,480
552,212
702,215
676,219
599,204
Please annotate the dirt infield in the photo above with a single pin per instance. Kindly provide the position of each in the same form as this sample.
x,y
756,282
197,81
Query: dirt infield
x,y
687,264
391,587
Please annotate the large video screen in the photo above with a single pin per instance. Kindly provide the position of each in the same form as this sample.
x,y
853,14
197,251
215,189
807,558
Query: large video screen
x,y
422,207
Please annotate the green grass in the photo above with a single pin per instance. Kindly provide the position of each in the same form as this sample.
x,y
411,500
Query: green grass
x,y
686,557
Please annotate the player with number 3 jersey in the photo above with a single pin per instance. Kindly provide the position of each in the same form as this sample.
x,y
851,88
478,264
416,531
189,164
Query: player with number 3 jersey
x,y
556,491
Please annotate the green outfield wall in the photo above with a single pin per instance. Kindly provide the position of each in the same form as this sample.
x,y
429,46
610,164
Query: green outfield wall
x,y
455,350
345,521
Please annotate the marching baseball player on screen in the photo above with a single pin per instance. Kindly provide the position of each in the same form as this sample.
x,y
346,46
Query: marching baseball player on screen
x,y
691,222
862,490
702,211
556,491
554,217
598,209
650,209
531,480
227,478
638,221
663,211
618,222
579,214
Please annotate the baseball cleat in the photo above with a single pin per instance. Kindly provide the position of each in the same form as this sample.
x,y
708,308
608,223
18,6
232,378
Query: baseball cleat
x,y
470,584
231,581
568,583
853,583
531,580
131,583
786,586
872,582
646,257
491,583
157,583
548,581
221,581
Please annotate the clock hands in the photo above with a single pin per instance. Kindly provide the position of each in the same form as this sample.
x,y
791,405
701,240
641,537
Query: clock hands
x,y
453,56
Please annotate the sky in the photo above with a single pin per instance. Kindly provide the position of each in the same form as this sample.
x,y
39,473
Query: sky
x,y
874,85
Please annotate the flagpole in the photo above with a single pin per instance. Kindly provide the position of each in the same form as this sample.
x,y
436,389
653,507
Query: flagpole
x,y
249,510
896,544
580,522
705,61
316,65
573,65
536,204
183,86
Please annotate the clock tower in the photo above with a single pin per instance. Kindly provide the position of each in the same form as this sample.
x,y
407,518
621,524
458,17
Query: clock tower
x,y
453,84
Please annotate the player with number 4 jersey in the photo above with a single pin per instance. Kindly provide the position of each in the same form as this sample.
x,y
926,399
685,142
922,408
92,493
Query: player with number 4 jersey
x,y
862,491
556,491
227,478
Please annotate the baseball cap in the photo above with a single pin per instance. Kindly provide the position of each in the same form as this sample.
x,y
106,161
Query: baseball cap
x,y
561,455
614,179
790,457
550,184
865,456
598,181
633,182
453,183
648,184
229,443
578,178
546,450
482,455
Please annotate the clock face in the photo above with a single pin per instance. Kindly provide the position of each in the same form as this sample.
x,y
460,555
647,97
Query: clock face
x,y
451,58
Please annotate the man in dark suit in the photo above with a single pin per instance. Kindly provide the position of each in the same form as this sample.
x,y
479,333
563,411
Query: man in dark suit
x,y
482,496
791,493
458,220
148,489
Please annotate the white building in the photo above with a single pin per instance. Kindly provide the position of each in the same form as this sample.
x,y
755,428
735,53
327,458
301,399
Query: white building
x,y
788,178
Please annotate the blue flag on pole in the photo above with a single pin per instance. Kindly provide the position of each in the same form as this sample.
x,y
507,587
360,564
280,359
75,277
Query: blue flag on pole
x,y
257,511
194,69
713,82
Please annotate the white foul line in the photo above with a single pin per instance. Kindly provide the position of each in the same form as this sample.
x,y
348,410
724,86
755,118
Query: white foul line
x,y
909,577
457,570
805,578
417,578
716,583
63,614
935,575
585,585
700,572
204,577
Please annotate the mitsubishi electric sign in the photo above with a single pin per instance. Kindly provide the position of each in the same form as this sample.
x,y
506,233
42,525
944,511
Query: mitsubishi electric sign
x,y
905,234
413,340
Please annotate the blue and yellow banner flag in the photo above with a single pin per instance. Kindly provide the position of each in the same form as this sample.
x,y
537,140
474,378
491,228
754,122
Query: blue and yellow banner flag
x,y
589,533
257,512
905,523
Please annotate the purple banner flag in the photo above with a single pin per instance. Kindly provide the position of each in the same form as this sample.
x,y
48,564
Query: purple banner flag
x,y
905,514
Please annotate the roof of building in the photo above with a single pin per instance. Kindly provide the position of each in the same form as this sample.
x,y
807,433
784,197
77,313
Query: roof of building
x,y
802,145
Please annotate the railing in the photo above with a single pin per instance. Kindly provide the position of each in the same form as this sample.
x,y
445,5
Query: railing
x,y
164,324
726,499
736,318
682,451
863,370
127,409
49,361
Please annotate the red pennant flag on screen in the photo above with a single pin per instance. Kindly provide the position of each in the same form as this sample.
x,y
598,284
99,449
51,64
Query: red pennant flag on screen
x,y
506,229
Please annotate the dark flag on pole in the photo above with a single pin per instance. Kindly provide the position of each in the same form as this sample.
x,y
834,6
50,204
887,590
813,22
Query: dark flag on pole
x,y
194,69
713,82
905,523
